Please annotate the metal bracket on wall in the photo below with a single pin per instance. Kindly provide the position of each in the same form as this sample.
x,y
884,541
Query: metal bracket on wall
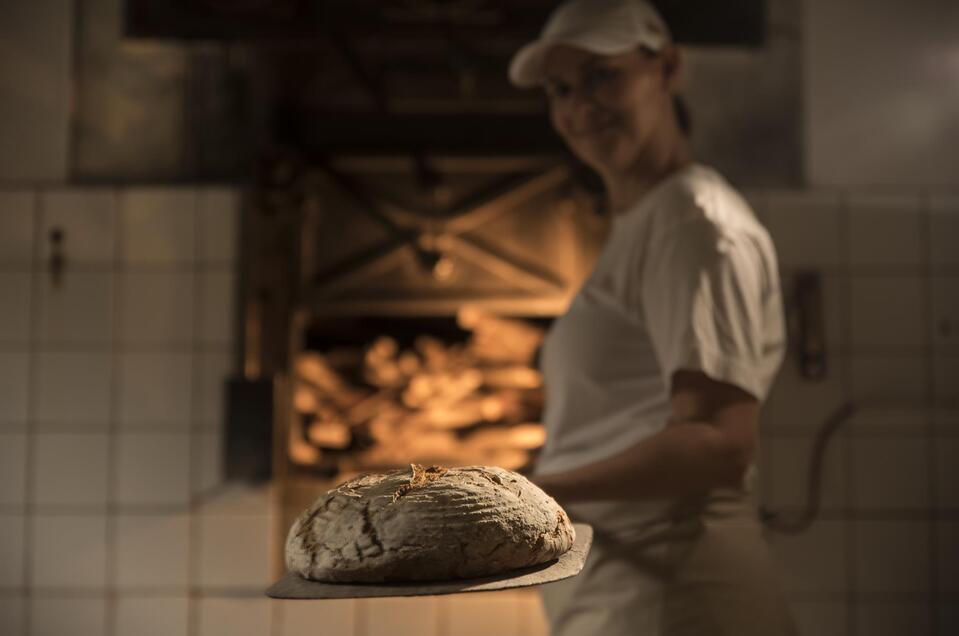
x,y
812,340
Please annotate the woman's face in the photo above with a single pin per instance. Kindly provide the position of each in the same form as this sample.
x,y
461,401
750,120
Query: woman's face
x,y
608,109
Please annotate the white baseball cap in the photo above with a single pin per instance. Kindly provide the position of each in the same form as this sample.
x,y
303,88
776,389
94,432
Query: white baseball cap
x,y
606,27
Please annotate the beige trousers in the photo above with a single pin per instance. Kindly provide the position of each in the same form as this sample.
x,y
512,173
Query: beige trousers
x,y
704,569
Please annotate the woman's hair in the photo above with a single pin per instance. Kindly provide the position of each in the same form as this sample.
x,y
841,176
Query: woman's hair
x,y
681,111
682,115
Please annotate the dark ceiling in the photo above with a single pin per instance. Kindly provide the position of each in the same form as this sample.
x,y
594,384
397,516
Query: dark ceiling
x,y
387,76
730,22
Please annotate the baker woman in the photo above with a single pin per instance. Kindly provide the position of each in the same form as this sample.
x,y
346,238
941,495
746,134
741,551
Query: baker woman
x,y
655,375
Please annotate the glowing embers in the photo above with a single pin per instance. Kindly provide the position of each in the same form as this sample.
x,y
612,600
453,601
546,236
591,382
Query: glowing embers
x,y
384,405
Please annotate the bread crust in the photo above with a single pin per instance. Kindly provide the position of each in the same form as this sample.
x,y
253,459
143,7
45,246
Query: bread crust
x,y
427,524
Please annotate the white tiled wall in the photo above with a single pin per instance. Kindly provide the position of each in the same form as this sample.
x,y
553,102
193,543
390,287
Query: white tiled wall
x,y
110,386
114,520
878,561
67,615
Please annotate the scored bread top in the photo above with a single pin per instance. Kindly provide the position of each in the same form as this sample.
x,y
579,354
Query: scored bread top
x,y
427,524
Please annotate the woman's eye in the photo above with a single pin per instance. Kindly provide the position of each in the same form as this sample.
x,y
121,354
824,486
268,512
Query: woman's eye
x,y
601,73
557,89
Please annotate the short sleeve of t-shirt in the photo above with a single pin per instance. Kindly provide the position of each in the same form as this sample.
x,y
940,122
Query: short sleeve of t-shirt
x,y
704,303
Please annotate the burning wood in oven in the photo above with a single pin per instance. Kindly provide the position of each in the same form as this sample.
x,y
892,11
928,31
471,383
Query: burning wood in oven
x,y
434,402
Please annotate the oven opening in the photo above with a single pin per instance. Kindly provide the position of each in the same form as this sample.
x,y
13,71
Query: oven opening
x,y
373,393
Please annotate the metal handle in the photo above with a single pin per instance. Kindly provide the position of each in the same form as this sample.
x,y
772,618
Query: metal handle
x,y
58,260
812,339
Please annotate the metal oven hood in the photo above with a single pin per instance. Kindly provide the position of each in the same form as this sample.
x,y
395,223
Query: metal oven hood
x,y
396,237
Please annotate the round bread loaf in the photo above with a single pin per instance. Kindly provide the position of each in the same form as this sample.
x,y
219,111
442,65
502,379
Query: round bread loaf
x,y
427,524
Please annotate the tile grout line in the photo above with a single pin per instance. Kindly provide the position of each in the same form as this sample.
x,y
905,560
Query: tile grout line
x,y
195,528
29,522
76,79
925,231
850,529
113,428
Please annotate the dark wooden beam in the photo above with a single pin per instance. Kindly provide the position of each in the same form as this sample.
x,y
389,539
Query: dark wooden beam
x,y
319,134
705,22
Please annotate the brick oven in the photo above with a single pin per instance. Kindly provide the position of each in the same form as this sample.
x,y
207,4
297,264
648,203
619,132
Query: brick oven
x,y
366,281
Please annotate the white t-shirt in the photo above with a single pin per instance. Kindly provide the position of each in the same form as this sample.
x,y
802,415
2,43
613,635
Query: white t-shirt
x,y
687,279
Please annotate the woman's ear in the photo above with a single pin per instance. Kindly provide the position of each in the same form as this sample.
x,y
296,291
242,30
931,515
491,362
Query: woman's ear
x,y
672,67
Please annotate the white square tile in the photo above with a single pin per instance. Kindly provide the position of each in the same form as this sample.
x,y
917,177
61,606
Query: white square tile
x,y
73,388
155,390
946,420
336,617
477,614
14,385
152,551
884,230
15,297
886,311
891,473
68,616
86,219
153,468
79,310
157,307
11,550
814,562
13,468
788,473
12,612
152,616
217,307
207,461
237,500
889,419
218,210
403,616
71,469
892,557
805,226
893,619
222,538
757,200
69,551
879,377
820,618
234,617
947,473
947,559
214,368
158,225
945,311
944,231
797,404
946,376
16,226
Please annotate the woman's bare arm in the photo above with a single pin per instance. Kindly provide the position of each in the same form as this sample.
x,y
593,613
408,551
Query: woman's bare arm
x,y
708,443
